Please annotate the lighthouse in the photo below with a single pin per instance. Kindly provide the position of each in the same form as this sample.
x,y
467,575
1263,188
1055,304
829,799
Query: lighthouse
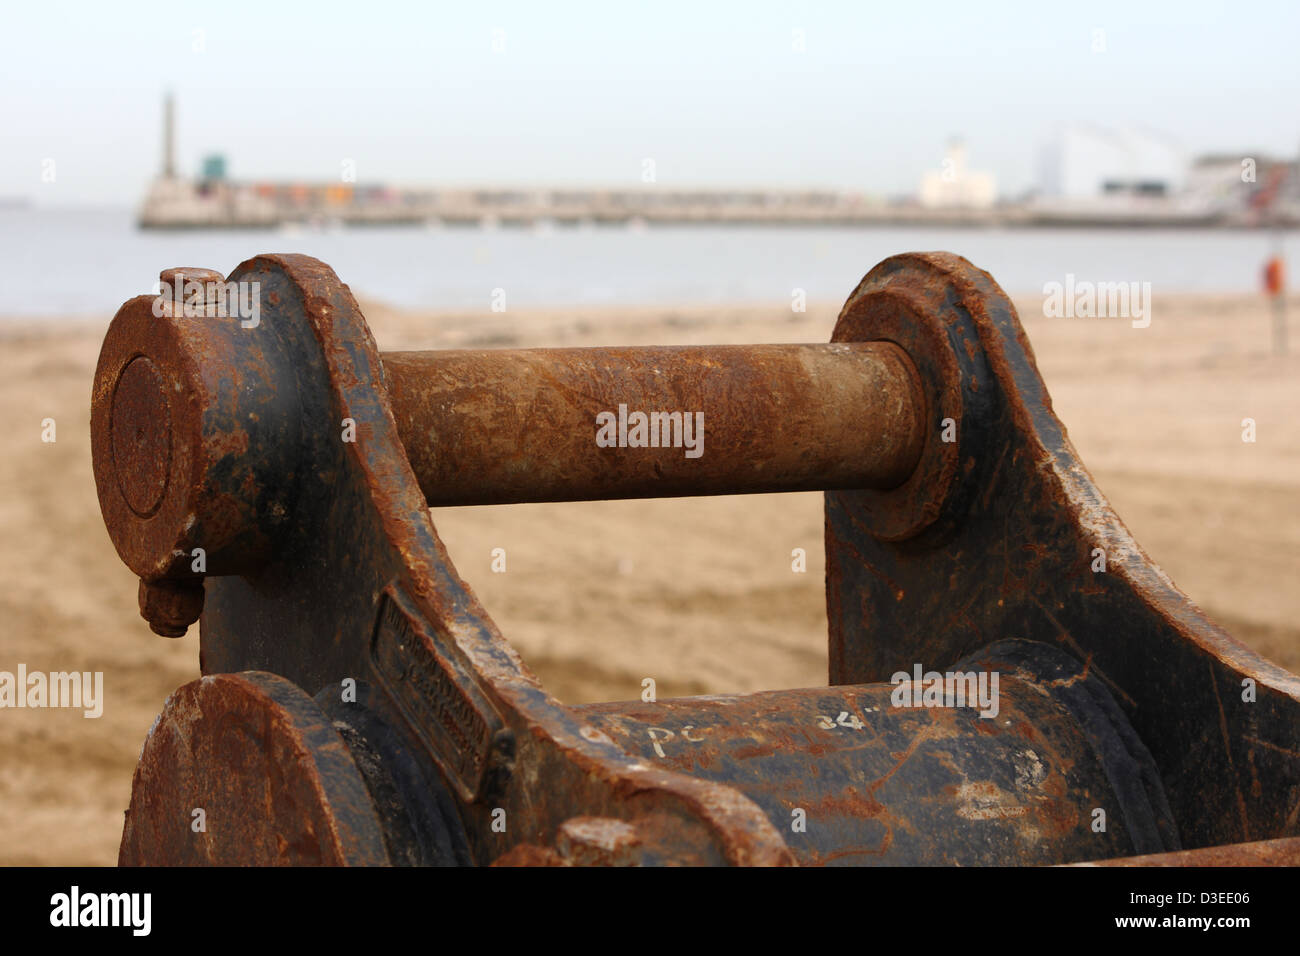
x,y
169,137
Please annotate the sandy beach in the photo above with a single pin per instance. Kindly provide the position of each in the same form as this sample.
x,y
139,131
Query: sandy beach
x,y
697,593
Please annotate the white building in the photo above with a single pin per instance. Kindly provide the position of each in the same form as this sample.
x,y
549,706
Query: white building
x,y
1088,163
955,187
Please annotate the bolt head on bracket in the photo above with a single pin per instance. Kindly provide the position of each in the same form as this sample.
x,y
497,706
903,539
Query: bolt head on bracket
x,y
194,425
923,303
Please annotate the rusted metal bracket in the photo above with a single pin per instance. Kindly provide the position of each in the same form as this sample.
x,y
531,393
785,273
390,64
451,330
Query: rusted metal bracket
x,y
359,706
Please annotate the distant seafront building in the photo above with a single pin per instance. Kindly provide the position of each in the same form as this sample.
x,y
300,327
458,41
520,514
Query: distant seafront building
x,y
1125,177
1089,163
955,187
1137,177
1250,184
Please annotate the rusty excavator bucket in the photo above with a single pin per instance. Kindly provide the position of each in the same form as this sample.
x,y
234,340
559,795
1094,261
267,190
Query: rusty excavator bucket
x,y
1011,680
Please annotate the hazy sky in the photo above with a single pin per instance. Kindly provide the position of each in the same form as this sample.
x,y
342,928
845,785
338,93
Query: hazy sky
x,y
715,93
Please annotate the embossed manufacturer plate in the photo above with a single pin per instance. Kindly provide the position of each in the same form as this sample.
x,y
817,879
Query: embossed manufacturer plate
x,y
435,695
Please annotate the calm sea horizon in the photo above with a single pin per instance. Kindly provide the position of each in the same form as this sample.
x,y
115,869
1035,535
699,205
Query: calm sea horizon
x,y
78,263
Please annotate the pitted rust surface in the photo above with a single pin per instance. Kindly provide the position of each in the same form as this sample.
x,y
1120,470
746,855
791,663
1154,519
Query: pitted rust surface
x,y
853,778
142,436
274,782
1013,557
192,442
1283,852
960,524
170,606
497,426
